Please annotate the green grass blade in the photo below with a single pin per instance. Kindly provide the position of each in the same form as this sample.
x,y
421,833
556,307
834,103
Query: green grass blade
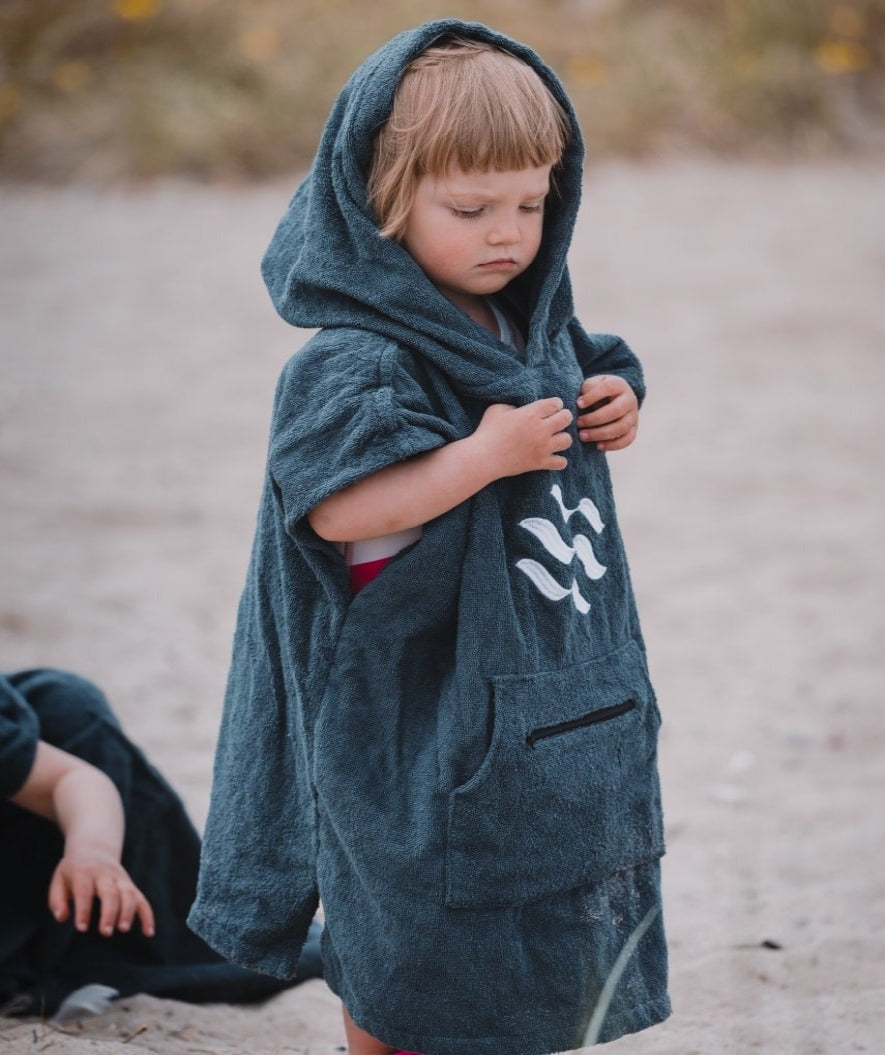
x,y
591,1036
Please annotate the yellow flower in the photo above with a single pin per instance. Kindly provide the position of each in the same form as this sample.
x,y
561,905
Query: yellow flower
x,y
841,56
71,76
585,70
137,10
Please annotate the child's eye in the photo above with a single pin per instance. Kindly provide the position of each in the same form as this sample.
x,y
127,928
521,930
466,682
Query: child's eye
x,y
467,214
534,207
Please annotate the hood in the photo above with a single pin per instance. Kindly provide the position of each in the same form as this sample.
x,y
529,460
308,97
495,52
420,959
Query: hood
x,y
328,266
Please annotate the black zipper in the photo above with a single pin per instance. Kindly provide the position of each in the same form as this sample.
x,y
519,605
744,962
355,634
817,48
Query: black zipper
x,y
604,714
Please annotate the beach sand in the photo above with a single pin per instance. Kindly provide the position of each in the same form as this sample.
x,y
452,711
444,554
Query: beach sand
x,y
139,359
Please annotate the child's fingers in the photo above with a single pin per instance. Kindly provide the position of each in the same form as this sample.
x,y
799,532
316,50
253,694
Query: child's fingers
x,y
609,411
119,898
109,895
600,387
58,896
560,420
606,433
133,903
145,916
620,443
551,412
128,907
548,406
83,893
560,441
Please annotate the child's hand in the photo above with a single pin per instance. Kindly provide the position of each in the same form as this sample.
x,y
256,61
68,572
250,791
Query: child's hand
x,y
93,871
611,415
522,439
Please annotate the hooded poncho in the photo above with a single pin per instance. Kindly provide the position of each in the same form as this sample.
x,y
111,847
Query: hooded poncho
x,y
460,761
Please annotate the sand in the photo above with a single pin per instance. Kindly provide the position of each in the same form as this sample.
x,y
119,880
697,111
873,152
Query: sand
x,y
139,354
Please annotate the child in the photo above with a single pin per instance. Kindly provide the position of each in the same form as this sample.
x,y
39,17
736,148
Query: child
x,y
451,742
89,826
85,804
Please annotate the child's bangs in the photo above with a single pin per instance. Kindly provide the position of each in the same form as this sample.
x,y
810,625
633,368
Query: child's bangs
x,y
487,110
498,139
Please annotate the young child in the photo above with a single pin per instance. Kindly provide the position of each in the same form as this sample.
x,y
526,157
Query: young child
x,y
438,719
85,805
89,826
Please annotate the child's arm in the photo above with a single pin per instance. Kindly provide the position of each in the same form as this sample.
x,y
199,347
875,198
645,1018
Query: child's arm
x,y
611,415
507,442
85,804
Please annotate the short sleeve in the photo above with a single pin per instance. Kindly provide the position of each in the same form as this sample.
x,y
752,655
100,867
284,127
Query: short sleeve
x,y
347,405
605,353
19,733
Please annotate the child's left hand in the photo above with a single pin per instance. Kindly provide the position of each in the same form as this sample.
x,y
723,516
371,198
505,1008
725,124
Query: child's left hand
x,y
611,413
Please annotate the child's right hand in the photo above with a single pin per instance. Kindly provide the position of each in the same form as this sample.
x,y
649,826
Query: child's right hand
x,y
87,872
519,440
508,441
86,805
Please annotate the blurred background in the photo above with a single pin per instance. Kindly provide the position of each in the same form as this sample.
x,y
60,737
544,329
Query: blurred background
x,y
147,151
122,90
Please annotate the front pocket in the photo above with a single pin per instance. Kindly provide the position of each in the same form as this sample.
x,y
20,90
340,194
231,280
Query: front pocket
x,y
568,792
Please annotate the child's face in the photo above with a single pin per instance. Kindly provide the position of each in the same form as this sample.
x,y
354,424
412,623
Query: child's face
x,y
472,232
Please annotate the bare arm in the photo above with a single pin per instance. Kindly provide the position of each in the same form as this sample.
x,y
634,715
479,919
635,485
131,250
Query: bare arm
x,y
85,804
508,441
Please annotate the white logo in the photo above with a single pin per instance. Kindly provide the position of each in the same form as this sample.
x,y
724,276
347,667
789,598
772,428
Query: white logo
x,y
548,535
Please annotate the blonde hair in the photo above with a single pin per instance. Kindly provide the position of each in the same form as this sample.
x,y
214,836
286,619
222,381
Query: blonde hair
x,y
462,104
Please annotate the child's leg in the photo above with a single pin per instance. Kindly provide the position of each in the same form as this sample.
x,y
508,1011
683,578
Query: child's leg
x,y
359,1042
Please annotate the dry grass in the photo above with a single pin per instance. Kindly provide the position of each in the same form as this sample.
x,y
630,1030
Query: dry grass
x,y
132,89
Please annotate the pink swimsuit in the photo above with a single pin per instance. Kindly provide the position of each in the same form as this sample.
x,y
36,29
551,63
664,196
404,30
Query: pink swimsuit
x,y
367,559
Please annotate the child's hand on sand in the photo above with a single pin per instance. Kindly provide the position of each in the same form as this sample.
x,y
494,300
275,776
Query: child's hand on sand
x,y
611,413
84,802
91,871
522,439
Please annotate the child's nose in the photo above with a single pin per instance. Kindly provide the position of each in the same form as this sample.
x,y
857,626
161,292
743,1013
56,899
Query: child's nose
x,y
505,232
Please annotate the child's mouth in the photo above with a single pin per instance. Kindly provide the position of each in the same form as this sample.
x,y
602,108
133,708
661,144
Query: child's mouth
x,y
503,264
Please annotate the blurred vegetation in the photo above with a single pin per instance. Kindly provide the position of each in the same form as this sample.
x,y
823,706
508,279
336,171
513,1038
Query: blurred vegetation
x,y
112,90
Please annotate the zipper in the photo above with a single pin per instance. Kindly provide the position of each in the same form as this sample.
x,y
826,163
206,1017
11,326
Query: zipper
x,y
604,714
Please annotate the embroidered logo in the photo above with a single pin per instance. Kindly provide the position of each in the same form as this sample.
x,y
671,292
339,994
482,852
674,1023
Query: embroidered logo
x,y
546,532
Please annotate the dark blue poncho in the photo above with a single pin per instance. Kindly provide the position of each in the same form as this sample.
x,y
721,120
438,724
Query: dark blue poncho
x,y
461,760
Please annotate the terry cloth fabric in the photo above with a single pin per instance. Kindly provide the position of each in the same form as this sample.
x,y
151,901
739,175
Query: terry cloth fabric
x,y
460,760
366,560
41,961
